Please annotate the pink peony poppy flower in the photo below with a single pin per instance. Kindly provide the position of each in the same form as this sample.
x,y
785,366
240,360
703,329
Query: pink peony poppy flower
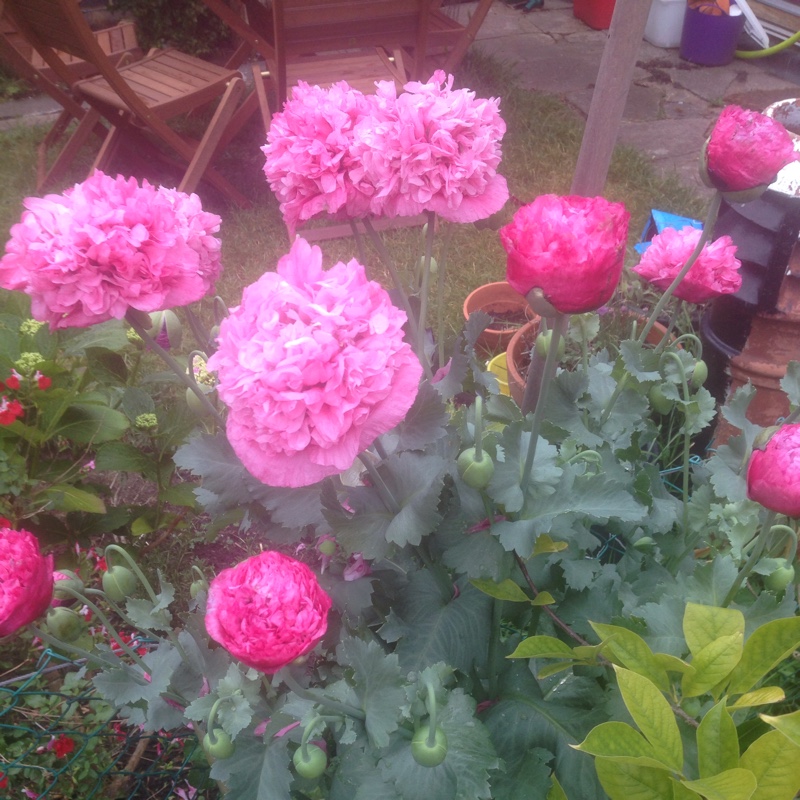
x,y
267,611
313,368
107,245
773,474
309,165
433,148
746,150
570,248
716,271
26,580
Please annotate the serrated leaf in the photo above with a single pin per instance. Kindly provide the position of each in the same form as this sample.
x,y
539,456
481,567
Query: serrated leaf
x,y
529,777
542,647
477,555
787,724
429,627
652,714
717,742
760,697
65,497
256,771
734,784
378,684
180,494
767,646
712,665
624,781
505,590
775,761
426,421
632,652
790,383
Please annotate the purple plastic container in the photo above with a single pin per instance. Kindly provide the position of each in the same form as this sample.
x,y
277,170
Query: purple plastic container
x,y
710,40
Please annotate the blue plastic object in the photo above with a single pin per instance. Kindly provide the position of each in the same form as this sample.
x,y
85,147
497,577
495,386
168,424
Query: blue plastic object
x,y
657,221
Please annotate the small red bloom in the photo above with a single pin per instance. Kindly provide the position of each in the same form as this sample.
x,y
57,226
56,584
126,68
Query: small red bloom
x,y
62,745
9,410
12,382
42,381
3,780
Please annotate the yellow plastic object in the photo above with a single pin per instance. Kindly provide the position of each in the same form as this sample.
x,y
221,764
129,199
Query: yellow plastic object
x,y
497,366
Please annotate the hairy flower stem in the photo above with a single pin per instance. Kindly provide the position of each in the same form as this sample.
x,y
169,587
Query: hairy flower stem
x,y
448,237
560,325
388,262
547,610
362,256
687,442
422,323
758,549
179,371
494,646
430,704
383,490
307,694
198,330
708,230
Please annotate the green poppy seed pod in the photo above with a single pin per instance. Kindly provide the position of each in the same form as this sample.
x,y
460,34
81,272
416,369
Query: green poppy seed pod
x,y
699,374
119,583
473,471
426,754
313,765
66,579
217,744
781,577
64,624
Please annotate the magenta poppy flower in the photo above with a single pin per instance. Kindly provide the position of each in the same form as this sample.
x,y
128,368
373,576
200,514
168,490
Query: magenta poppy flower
x,y
310,166
714,273
267,611
773,474
747,150
570,248
433,148
26,580
108,245
313,368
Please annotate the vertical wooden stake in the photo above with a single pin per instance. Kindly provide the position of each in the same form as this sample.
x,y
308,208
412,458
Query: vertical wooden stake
x,y
610,93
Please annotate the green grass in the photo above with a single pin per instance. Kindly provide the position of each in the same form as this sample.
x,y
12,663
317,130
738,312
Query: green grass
x,y
540,150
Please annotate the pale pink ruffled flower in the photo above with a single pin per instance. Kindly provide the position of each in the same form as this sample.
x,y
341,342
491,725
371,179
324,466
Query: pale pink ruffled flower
x,y
309,160
716,271
107,245
267,611
747,150
571,248
433,148
313,367
26,580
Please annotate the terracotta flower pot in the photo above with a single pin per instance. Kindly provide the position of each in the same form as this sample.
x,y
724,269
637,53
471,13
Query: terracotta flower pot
x,y
519,348
508,309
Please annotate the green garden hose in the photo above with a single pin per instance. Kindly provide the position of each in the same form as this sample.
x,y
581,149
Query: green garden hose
x,y
769,51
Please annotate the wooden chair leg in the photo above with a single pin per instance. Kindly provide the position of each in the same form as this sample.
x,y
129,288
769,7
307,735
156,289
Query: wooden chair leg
x,y
67,155
261,94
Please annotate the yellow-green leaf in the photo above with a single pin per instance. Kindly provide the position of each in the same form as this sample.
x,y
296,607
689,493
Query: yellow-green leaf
x,y
544,544
652,713
64,497
541,647
553,669
631,651
556,792
787,724
760,697
713,664
704,624
775,762
543,599
623,781
734,784
672,663
717,742
587,652
505,590
767,646
681,792
620,741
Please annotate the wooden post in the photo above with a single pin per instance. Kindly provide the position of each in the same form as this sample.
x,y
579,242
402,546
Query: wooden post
x,y
610,93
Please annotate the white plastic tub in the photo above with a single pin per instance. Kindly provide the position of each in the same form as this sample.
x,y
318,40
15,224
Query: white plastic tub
x,y
665,23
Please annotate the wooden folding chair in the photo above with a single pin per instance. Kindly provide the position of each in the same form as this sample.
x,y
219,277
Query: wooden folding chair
x,y
448,37
118,42
141,96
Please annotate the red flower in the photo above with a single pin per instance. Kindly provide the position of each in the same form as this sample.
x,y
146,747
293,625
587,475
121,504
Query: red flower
x,y
570,248
3,780
42,381
12,382
62,745
747,150
773,475
9,410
